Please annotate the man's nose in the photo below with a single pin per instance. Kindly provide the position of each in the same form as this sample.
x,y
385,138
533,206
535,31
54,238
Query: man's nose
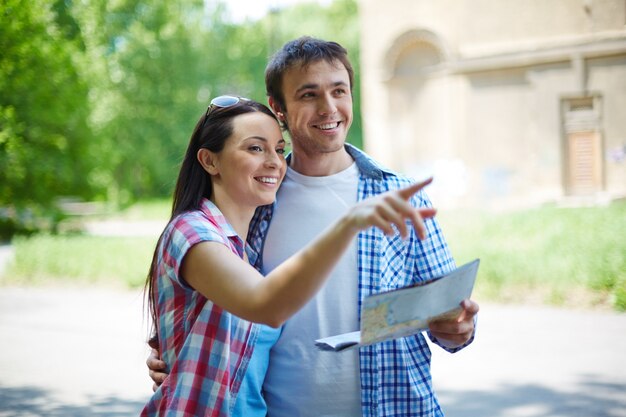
x,y
327,105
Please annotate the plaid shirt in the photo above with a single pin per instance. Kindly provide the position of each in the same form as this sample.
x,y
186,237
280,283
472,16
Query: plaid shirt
x,y
206,348
395,375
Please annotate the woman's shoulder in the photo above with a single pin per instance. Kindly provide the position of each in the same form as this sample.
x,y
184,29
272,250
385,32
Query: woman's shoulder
x,y
195,226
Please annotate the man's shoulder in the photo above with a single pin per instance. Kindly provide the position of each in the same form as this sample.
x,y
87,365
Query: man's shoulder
x,y
372,169
377,178
368,166
259,225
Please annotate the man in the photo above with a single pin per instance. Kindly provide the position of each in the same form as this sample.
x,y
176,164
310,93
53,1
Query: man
x,y
309,83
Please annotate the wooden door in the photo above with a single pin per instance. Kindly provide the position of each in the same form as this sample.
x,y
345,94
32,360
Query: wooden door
x,y
585,162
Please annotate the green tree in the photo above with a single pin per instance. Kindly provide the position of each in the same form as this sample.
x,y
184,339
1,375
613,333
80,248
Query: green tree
x,y
44,134
142,62
159,63
99,97
156,64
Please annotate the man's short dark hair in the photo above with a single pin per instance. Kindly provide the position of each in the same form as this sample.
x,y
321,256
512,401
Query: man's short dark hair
x,y
303,51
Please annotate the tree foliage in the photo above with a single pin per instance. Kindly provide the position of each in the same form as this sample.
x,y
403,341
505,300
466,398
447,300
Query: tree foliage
x,y
99,97
43,110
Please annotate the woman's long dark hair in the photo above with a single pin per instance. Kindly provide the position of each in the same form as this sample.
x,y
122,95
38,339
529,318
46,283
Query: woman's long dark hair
x,y
194,183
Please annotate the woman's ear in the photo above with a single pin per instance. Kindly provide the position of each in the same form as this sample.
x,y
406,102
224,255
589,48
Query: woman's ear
x,y
207,160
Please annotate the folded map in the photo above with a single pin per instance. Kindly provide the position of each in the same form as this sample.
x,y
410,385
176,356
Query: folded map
x,y
406,311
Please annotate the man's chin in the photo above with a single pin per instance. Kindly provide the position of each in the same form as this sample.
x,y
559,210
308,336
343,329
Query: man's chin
x,y
333,143
323,145
333,149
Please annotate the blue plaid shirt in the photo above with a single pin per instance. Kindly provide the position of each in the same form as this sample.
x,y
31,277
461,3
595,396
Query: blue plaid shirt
x,y
395,375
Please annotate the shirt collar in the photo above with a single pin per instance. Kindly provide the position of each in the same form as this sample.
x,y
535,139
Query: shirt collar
x,y
215,216
210,210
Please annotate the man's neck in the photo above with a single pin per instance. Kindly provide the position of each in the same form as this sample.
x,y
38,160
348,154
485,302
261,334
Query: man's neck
x,y
320,164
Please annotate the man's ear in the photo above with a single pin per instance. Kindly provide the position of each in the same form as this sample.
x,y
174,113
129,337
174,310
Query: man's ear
x,y
207,160
278,111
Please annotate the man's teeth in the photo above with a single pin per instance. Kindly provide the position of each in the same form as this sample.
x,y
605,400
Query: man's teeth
x,y
268,180
327,126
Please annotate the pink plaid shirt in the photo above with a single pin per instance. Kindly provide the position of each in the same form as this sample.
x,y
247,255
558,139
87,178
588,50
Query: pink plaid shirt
x,y
206,349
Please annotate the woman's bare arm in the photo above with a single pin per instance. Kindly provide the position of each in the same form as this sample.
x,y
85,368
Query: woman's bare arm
x,y
240,289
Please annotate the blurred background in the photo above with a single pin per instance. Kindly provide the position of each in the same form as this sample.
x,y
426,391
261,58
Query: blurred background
x,y
516,108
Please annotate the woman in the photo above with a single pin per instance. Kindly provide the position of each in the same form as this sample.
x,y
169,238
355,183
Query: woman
x,y
203,294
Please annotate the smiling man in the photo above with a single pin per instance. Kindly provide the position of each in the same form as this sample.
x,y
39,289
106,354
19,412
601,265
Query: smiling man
x,y
319,100
309,83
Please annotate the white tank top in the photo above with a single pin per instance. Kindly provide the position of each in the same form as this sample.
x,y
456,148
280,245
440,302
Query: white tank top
x,y
302,380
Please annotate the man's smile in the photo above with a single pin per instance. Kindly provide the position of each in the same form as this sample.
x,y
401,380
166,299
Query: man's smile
x,y
327,126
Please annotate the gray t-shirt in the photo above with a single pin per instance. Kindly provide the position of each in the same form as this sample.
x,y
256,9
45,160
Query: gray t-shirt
x,y
302,380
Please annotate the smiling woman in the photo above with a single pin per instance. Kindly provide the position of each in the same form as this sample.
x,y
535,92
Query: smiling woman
x,y
248,170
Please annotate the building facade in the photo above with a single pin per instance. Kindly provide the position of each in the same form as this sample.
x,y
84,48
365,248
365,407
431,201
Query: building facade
x,y
507,103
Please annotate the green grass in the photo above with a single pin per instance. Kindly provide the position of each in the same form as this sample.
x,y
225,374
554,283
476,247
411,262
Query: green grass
x,y
563,256
82,259
147,210
77,259
574,257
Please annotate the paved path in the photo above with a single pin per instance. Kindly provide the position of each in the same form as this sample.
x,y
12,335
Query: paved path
x,y
80,352
72,352
537,361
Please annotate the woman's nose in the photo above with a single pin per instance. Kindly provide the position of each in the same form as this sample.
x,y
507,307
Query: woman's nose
x,y
273,160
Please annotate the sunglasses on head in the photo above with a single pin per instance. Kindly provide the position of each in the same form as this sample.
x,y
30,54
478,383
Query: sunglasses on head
x,y
222,102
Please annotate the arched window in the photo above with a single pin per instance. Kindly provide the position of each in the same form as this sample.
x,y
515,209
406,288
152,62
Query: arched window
x,y
414,53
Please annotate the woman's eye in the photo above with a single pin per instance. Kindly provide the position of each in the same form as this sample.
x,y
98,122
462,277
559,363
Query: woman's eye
x,y
256,148
280,151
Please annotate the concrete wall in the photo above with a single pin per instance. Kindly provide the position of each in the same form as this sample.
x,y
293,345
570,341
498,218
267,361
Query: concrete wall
x,y
473,92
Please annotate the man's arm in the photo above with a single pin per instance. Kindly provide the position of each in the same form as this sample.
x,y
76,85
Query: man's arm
x,y
457,332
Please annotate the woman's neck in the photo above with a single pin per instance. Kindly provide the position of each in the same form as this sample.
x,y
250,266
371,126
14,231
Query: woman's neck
x,y
237,216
